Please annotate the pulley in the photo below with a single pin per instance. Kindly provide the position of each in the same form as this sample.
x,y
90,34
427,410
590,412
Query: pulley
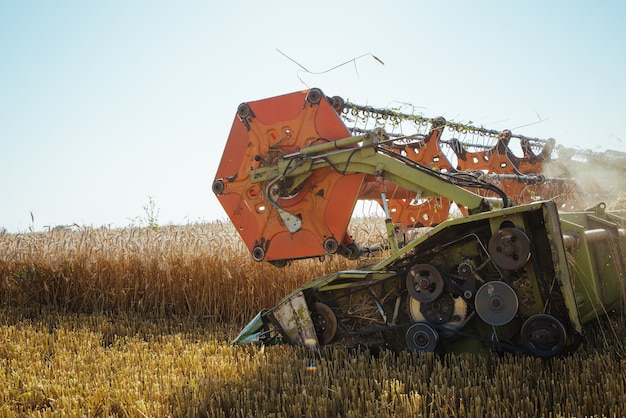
x,y
509,248
439,311
445,310
496,303
324,322
543,335
421,338
424,283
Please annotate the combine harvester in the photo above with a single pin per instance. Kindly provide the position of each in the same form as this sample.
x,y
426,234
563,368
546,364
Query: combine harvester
x,y
507,259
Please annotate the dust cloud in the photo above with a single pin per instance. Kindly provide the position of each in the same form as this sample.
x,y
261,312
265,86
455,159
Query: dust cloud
x,y
596,177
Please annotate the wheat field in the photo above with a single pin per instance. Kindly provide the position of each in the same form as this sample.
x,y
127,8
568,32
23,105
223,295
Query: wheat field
x,y
137,322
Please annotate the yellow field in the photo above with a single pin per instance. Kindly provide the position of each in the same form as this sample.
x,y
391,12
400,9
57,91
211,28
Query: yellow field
x,y
137,322
200,270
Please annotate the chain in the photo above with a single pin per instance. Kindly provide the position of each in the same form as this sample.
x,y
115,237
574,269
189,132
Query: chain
x,y
366,116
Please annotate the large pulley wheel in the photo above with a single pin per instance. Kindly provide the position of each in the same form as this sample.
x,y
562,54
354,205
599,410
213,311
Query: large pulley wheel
x,y
424,283
422,338
496,303
509,248
543,335
324,322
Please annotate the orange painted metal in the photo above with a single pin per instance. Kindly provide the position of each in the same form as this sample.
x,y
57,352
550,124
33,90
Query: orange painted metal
x,y
493,160
408,211
269,131
500,159
263,132
562,191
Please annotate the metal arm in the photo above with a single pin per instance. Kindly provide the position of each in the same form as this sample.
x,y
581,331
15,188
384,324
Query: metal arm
x,y
359,154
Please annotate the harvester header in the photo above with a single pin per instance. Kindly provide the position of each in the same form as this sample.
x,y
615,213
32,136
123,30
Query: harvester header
x,y
513,257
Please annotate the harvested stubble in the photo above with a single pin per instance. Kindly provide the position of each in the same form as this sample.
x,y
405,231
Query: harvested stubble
x,y
94,365
137,323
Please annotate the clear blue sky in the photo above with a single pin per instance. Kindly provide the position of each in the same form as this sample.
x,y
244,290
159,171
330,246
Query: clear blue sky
x,y
103,104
